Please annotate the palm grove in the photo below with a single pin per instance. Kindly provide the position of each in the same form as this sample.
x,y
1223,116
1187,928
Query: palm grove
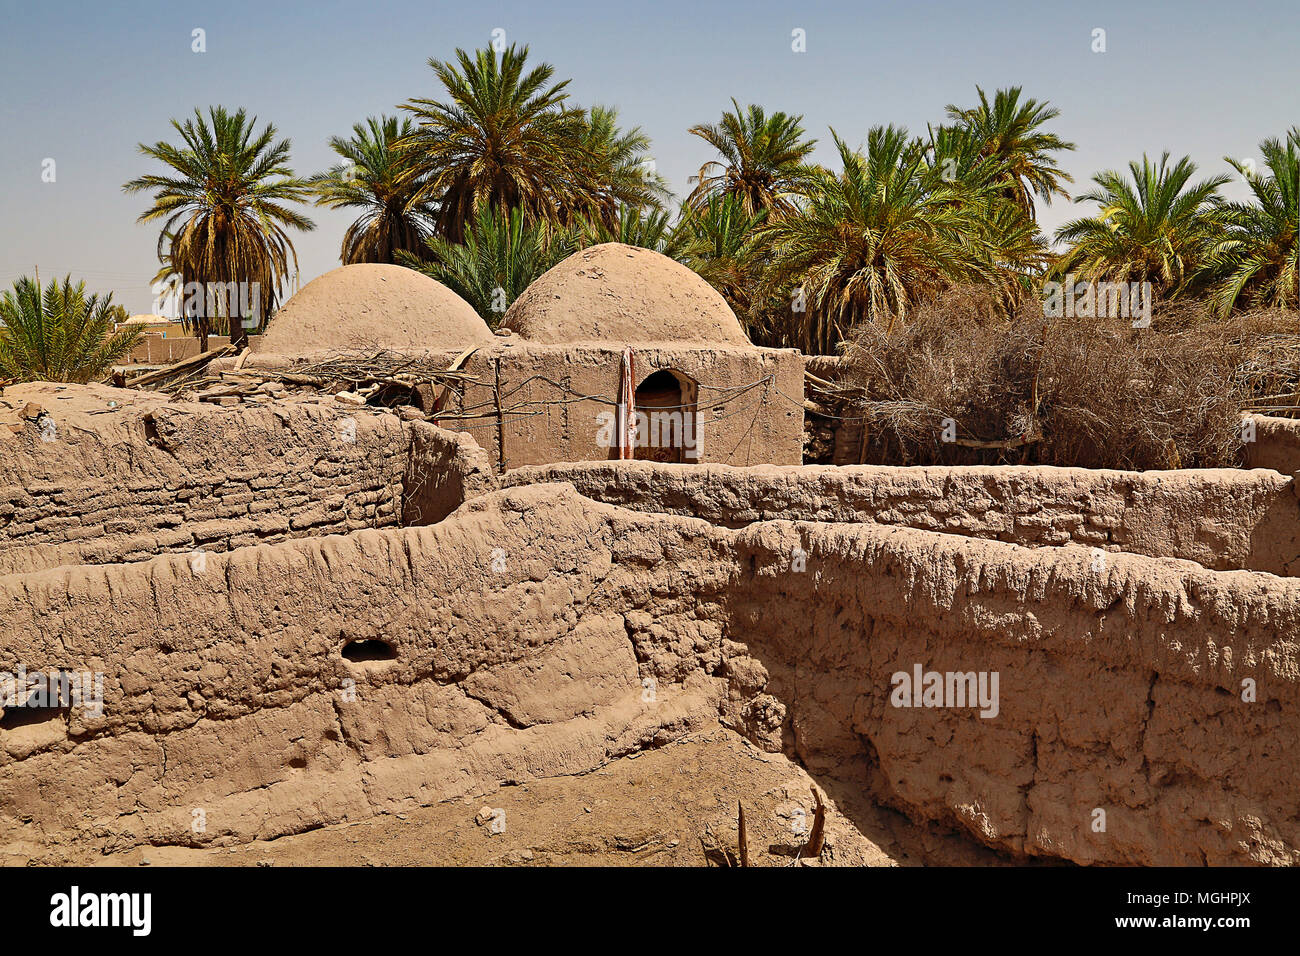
x,y
501,175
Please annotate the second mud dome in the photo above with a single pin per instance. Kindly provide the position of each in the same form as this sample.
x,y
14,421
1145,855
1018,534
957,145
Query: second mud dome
x,y
1109,676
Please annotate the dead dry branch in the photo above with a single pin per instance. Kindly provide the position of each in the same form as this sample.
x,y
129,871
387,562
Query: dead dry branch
x,y
957,387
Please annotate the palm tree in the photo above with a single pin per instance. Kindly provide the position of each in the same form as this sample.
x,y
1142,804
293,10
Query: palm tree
x,y
1010,131
725,245
502,253
376,178
650,228
1259,256
61,335
509,140
621,176
872,241
762,160
1017,252
223,203
1160,228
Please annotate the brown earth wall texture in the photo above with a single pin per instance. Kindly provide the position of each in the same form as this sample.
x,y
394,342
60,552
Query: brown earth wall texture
x,y
1276,444
126,474
1221,518
741,420
539,633
445,469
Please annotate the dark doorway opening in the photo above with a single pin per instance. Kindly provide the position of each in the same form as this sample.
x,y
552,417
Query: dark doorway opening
x,y
665,406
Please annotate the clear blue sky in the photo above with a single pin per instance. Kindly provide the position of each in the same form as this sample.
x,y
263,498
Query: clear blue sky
x,y
83,83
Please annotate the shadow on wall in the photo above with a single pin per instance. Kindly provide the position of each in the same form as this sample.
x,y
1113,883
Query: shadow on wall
x,y
538,665
445,469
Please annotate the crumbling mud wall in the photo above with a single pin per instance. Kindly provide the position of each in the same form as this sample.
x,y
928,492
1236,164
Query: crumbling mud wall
x,y
1145,712
1146,709
93,475
1276,444
516,637
445,469
1220,518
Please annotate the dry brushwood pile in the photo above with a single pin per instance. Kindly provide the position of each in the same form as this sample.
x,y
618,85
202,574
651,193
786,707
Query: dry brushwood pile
x,y
961,384
373,376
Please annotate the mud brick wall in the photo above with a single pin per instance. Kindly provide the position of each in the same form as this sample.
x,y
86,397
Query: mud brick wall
x,y
1221,518
1276,444
230,689
445,470
105,475
542,383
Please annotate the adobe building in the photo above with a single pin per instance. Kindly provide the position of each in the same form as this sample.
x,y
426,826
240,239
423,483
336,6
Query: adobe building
x,y
372,306
300,619
616,352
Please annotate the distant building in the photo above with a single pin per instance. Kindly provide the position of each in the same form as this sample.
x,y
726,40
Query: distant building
x,y
616,352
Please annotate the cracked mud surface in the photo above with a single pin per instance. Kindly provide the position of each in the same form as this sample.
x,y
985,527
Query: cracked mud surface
x,y
604,818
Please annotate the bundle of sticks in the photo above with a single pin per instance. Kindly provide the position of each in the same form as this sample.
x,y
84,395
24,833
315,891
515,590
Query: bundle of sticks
x,y
359,373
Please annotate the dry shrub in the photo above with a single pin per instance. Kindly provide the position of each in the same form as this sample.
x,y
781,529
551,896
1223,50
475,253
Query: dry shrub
x,y
1072,392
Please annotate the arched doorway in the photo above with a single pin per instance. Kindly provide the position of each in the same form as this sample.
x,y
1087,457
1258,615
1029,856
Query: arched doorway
x,y
665,418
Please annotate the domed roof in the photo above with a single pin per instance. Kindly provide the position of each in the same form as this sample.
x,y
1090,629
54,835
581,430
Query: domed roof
x,y
373,305
615,293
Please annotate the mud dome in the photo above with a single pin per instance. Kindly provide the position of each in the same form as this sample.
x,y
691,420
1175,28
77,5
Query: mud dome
x,y
414,630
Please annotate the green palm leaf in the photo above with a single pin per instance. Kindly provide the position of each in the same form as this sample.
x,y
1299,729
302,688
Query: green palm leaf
x,y
59,334
224,212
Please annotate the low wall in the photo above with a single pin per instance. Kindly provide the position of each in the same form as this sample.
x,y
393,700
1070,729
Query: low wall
x,y
1220,518
445,470
522,632
228,696
157,349
104,475
1276,444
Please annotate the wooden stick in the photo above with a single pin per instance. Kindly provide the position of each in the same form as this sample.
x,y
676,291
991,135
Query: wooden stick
x,y
744,840
452,370
1004,445
184,365
817,838
817,380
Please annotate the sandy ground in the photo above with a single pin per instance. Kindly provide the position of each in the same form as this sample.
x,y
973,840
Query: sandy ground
x,y
675,806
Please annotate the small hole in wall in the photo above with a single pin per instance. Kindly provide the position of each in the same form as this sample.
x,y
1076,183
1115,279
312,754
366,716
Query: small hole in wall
x,y
393,395
363,652
29,716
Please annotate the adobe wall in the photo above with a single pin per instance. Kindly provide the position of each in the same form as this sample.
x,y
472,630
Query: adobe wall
x,y
155,348
1276,444
445,470
127,474
526,626
548,417
1220,518
226,690
1159,693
